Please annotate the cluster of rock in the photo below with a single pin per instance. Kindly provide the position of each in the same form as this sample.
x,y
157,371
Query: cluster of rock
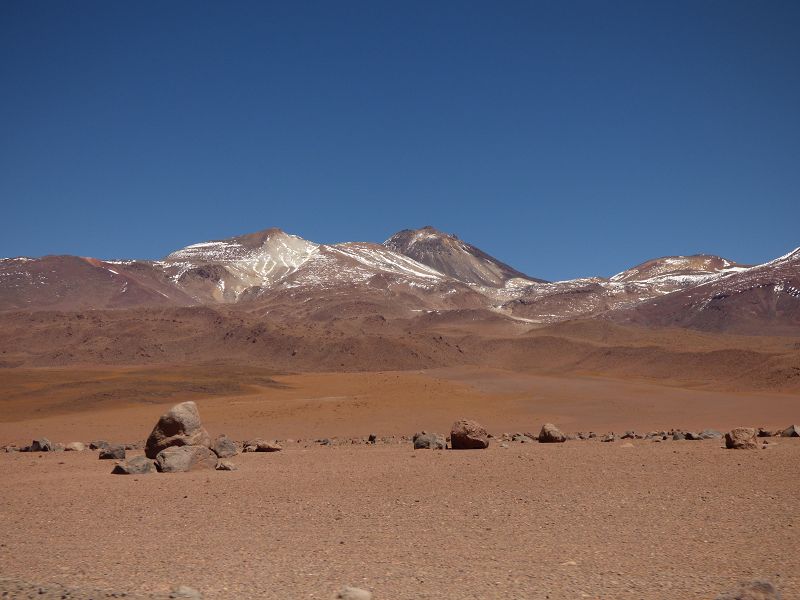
x,y
470,435
179,443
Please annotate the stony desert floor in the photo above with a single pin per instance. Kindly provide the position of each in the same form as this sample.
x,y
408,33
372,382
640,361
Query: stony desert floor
x,y
584,519
575,520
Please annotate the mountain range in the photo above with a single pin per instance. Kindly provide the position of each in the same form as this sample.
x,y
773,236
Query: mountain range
x,y
414,271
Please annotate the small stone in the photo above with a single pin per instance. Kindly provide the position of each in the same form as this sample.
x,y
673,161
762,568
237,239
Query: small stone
x,y
41,445
224,447
754,590
791,431
75,447
351,593
264,446
691,435
98,445
628,435
741,438
186,593
226,465
115,452
610,437
138,465
678,435
430,441
372,438
710,434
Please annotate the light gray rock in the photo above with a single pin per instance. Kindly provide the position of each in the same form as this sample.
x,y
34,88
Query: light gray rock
x,y
226,465
351,593
224,447
115,452
753,590
41,445
791,431
180,426
265,446
179,459
75,447
433,441
138,465
184,592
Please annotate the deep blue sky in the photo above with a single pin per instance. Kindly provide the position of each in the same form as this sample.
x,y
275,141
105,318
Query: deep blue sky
x,y
566,138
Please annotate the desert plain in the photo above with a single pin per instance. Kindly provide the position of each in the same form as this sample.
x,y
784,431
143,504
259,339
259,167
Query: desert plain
x,y
630,518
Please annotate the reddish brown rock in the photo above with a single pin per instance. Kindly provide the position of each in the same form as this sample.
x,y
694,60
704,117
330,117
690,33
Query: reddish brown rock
x,y
550,434
180,426
468,435
741,438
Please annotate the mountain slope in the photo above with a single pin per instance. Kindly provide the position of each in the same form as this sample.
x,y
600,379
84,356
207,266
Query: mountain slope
x,y
451,256
78,283
764,299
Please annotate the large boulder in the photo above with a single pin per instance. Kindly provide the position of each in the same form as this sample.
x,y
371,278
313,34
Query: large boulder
x,y
741,438
468,435
433,441
754,590
791,431
224,447
179,459
138,465
550,434
180,426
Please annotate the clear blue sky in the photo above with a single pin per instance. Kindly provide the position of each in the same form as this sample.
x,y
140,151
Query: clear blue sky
x,y
566,138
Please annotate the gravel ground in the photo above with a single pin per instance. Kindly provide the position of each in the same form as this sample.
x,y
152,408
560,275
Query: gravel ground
x,y
575,520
